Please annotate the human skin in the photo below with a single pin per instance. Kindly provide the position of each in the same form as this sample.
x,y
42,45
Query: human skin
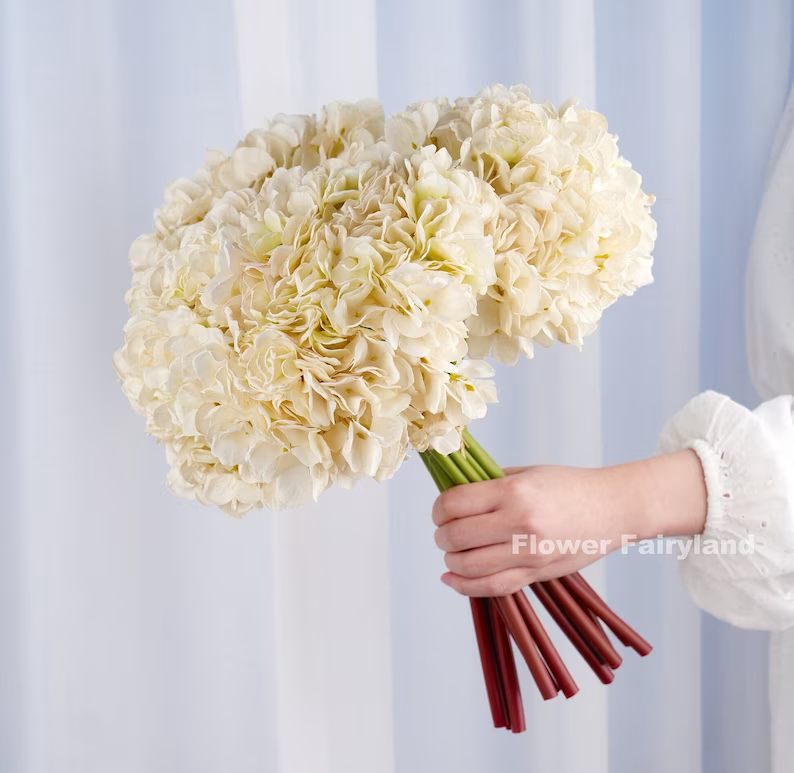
x,y
476,523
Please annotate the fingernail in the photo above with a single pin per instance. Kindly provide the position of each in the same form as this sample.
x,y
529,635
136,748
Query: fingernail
x,y
445,578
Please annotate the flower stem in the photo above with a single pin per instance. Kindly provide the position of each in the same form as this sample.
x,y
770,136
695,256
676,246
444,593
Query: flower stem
x,y
488,659
476,450
441,471
602,670
519,630
452,470
435,474
587,597
466,468
547,649
577,615
507,667
474,463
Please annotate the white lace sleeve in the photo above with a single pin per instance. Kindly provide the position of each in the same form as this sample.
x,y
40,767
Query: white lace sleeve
x,y
748,463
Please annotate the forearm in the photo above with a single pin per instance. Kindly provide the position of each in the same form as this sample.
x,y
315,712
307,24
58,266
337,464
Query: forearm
x,y
665,495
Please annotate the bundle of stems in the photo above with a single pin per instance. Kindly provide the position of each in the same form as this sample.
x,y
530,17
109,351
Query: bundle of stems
x,y
570,601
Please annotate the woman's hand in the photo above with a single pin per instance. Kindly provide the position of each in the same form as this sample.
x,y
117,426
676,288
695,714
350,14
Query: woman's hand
x,y
543,522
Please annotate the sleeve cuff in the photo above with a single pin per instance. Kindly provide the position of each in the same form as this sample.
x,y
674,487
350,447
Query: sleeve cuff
x,y
750,493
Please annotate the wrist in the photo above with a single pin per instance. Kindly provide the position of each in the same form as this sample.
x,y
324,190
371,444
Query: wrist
x,y
664,495
673,495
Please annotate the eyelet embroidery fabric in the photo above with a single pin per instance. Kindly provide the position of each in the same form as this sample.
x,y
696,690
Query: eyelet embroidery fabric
x,y
748,465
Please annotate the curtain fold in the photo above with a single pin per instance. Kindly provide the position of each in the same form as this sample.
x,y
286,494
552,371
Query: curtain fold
x,y
737,150
139,632
649,84
331,562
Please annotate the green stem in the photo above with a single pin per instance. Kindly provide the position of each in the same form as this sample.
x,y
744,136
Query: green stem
x,y
433,473
437,471
469,465
485,461
474,463
465,467
458,478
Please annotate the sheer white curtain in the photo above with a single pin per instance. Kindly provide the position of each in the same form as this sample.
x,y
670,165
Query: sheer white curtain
x,y
142,633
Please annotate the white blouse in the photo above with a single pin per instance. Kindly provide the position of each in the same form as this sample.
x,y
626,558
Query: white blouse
x,y
748,456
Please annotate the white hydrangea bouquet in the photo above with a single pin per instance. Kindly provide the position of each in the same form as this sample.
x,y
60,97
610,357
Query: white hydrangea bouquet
x,y
316,303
